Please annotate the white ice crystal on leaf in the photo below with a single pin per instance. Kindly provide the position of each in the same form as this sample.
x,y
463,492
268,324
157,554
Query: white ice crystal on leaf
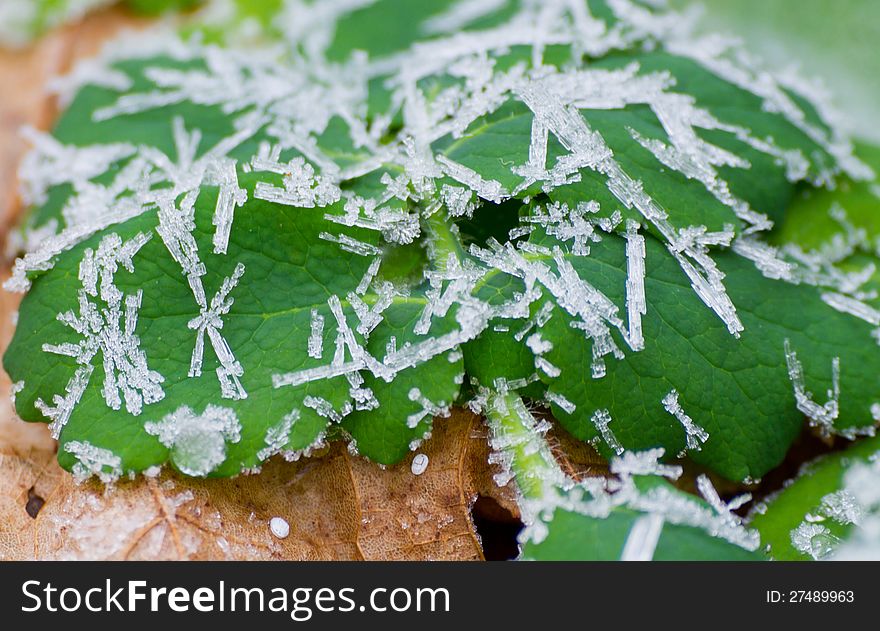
x,y
197,441
593,311
694,434
631,463
814,540
324,408
636,305
94,461
601,420
229,197
821,416
841,506
106,322
852,306
316,335
51,163
303,188
560,400
641,542
428,410
857,503
460,14
278,435
210,322
89,71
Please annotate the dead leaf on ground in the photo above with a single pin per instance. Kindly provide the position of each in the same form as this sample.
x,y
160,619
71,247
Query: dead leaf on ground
x,y
338,506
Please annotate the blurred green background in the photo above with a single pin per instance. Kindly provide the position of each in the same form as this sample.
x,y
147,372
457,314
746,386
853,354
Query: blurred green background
x,y
837,41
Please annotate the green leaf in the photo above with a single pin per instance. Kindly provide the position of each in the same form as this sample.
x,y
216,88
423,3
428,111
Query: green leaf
x,y
289,272
426,159
574,537
810,220
636,516
156,7
737,389
814,513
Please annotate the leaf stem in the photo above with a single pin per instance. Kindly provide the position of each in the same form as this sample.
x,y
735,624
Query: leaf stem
x,y
443,241
520,437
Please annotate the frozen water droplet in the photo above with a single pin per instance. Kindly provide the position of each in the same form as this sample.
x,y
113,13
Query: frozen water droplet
x,y
279,527
419,464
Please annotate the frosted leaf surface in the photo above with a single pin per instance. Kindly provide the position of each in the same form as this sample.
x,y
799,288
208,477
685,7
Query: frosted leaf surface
x,y
627,516
348,226
94,461
831,510
107,323
197,441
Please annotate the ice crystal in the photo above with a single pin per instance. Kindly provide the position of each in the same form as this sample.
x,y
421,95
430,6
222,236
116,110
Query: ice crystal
x,y
197,441
852,306
564,404
814,540
350,244
14,389
210,321
303,188
278,435
316,335
642,538
94,461
51,163
601,420
694,434
841,506
636,306
820,416
631,463
429,409
230,196
324,408
106,322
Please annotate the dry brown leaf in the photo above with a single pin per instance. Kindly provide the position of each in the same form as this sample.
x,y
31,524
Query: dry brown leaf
x,y
338,506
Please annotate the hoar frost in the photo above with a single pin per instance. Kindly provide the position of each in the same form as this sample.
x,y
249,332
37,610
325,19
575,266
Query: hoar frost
x,y
197,441
694,434
290,107
94,461
106,321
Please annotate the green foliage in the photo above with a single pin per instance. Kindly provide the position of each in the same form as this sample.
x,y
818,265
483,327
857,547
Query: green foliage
x,y
378,164
574,537
813,500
